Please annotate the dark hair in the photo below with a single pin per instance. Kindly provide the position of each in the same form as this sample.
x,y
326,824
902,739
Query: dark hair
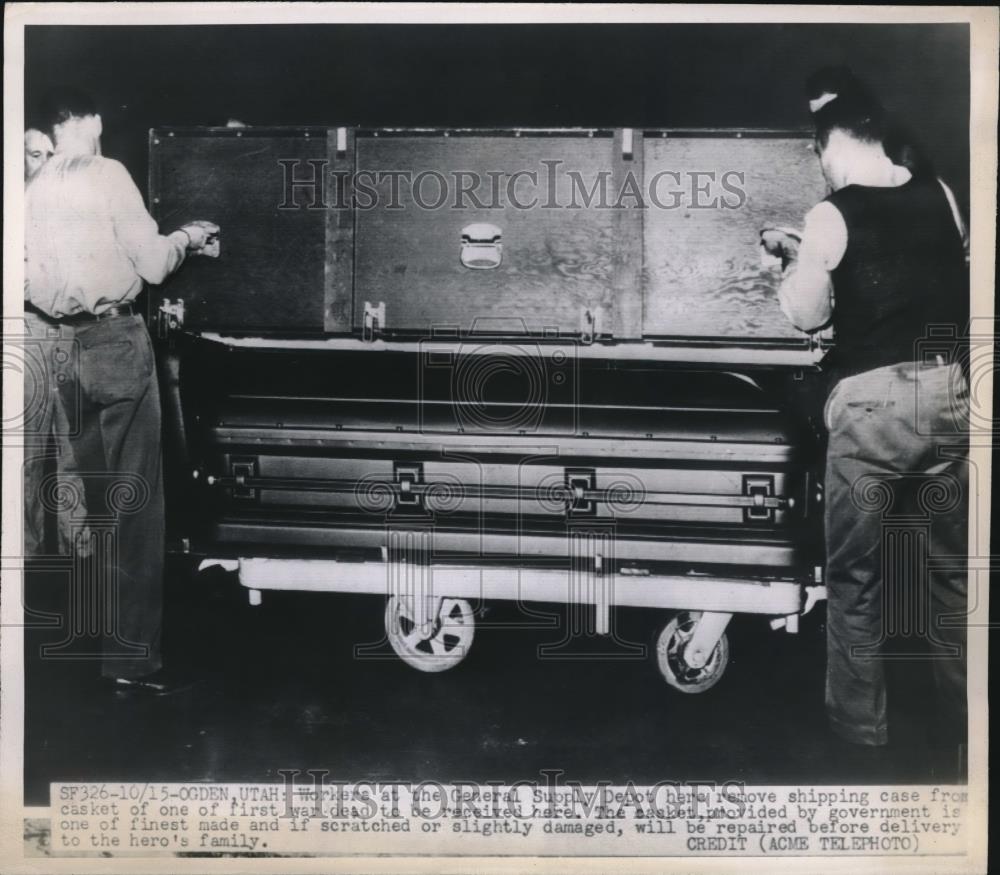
x,y
837,80
855,114
857,111
62,104
853,107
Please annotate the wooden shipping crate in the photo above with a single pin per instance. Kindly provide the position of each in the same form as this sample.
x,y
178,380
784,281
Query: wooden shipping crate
x,y
606,235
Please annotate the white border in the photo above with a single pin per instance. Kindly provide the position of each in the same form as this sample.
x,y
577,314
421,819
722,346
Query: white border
x,y
984,29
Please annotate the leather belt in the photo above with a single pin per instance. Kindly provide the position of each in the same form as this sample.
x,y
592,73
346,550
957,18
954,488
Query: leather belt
x,y
114,311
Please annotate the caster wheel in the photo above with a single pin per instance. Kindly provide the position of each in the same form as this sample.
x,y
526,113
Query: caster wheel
x,y
449,640
670,645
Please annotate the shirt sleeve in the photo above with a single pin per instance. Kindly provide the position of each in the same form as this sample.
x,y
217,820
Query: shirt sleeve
x,y
806,291
956,213
153,255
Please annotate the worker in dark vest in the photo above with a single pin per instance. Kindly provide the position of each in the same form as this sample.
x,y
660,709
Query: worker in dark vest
x,y
883,259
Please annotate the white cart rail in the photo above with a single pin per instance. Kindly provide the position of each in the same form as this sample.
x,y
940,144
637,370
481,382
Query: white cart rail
x,y
430,621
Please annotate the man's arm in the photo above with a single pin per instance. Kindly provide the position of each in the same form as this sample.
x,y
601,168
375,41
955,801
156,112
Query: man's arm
x,y
806,291
154,256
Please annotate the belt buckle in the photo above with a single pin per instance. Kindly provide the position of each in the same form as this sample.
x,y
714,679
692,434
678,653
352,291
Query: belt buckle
x,y
115,310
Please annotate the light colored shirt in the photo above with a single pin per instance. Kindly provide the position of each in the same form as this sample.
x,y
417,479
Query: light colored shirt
x,y
89,240
806,291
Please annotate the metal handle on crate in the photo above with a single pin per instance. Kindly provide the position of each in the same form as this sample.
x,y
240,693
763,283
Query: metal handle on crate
x,y
481,246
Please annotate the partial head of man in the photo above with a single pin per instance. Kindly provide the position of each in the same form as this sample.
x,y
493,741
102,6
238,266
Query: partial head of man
x,y
839,83
37,150
829,83
71,119
850,136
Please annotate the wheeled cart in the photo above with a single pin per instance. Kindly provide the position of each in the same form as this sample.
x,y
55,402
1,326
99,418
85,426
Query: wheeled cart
x,y
433,632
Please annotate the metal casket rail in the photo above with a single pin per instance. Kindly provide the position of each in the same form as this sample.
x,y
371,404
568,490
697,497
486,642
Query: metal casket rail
x,y
499,458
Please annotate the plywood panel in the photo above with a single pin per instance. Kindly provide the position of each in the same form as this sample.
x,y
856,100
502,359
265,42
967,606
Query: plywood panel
x,y
702,270
270,275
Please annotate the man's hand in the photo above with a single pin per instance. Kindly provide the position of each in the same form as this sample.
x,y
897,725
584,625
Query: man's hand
x,y
203,236
782,243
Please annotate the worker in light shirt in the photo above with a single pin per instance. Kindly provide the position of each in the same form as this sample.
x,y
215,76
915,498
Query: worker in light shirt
x,y
90,245
46,432
883,259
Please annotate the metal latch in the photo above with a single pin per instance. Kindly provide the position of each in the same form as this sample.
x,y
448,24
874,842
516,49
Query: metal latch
x,y
374,320
820,341
244,470
406,478
590,324
171,316
580,486
759,488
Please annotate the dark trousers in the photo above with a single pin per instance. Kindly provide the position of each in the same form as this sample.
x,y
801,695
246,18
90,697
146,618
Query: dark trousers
x,y
109,388
896,534
51,482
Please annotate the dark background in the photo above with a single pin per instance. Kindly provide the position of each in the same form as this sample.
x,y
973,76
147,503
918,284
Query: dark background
x,y
477,75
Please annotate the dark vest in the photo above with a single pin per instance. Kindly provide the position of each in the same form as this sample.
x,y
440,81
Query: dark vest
x,y
903,271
